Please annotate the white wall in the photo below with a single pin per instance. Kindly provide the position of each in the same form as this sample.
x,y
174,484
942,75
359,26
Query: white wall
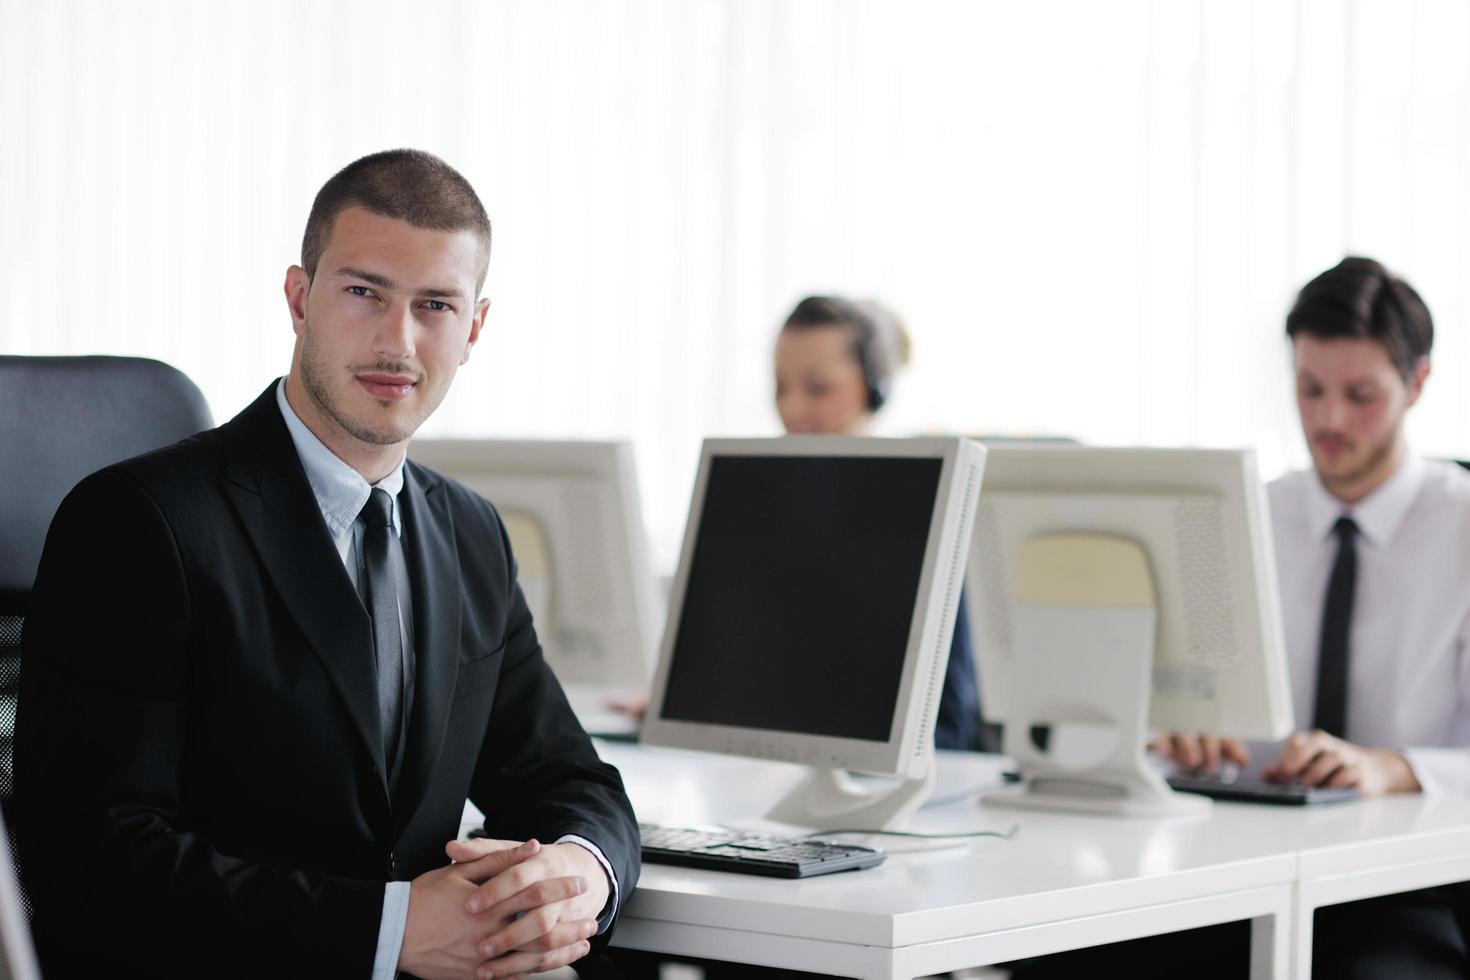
x,y
1092,215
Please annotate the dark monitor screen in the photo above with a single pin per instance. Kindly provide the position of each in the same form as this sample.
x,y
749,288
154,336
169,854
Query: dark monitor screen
x,y
800,594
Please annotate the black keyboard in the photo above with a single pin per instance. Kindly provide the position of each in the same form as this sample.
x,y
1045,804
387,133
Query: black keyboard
x,y
1227,785
752,853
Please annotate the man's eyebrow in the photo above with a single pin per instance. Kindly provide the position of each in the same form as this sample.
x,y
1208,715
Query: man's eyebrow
x,y
383,282
441,293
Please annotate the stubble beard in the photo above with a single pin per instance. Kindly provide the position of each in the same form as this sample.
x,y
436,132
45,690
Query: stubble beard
x,y
316,377
1377,454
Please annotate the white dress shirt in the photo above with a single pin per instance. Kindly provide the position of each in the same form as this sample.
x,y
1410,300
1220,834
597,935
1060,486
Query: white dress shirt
x,y
1409,640
340,493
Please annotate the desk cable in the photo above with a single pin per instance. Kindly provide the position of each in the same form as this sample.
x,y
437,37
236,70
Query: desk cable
x,y
1002,834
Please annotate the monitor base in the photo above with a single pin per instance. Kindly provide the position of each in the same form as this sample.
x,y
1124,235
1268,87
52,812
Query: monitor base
x,y
830,799
1138,796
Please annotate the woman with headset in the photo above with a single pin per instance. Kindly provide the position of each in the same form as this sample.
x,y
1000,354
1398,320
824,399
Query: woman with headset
x,y
835,362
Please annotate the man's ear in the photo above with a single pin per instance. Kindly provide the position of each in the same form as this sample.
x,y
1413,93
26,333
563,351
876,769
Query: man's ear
x,y
1417,379
298,287
477,323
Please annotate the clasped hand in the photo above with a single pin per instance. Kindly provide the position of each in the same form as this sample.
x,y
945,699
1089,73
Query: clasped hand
x,y
1310,758
504,909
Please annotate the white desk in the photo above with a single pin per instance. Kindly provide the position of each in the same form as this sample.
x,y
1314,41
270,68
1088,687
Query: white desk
x,y
1378,847
1062,882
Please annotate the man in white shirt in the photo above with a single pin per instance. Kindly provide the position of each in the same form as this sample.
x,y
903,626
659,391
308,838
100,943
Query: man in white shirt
x,y
1373,553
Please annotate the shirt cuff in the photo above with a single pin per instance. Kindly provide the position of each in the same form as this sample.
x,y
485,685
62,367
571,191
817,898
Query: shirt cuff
x,y
390,932
1440,771
605,917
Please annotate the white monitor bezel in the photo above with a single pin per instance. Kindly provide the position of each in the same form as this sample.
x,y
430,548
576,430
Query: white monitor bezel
x,y
1229,474
908,749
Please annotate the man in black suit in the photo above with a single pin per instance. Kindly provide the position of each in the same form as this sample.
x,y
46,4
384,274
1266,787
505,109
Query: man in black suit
x,y
264,668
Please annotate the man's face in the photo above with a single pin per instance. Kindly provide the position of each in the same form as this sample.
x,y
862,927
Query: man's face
x,y
1352,402
384,324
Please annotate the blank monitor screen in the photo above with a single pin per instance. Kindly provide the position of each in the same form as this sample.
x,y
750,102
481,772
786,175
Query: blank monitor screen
x,y
801,591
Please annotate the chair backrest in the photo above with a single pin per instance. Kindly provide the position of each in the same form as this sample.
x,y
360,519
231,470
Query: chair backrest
x,y
62,418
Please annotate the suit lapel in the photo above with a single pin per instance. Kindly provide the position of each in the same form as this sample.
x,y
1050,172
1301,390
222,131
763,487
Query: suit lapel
x,y
267,485
433,569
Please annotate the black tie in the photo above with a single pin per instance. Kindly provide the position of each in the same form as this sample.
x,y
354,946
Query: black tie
x,y
382,605
1337,616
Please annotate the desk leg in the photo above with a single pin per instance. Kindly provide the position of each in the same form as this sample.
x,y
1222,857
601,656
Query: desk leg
x,y
1303,915
883,968
1271,949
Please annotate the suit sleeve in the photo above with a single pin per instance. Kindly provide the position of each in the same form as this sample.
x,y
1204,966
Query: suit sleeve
x,y
110,863
538,773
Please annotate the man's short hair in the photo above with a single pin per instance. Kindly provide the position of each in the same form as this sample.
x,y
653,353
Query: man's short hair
x,y
1358,297
409,185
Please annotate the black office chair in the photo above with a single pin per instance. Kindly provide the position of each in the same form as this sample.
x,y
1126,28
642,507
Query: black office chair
x,y
62,418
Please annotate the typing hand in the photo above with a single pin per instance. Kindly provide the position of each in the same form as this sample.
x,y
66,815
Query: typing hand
x,y
543,908
1319,759
1200,751
441,939
634,707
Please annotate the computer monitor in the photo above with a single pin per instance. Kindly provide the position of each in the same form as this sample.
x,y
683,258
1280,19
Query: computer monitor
x,y
812,612
1114,590
575,522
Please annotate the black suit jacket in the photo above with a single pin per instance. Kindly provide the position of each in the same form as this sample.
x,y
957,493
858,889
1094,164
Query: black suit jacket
x,y
200,781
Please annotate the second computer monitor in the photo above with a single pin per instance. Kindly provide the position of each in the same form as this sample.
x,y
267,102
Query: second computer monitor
x,y
1124,589
572,511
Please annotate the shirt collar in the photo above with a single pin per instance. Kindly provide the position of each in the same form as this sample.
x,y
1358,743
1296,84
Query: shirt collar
x,y
339,489
1377,515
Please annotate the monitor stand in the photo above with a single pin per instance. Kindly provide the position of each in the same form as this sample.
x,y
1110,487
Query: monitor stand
x,y
1084,626
831,799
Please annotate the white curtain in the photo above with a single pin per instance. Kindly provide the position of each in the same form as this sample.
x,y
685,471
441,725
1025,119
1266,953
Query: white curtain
x,y
1092,216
